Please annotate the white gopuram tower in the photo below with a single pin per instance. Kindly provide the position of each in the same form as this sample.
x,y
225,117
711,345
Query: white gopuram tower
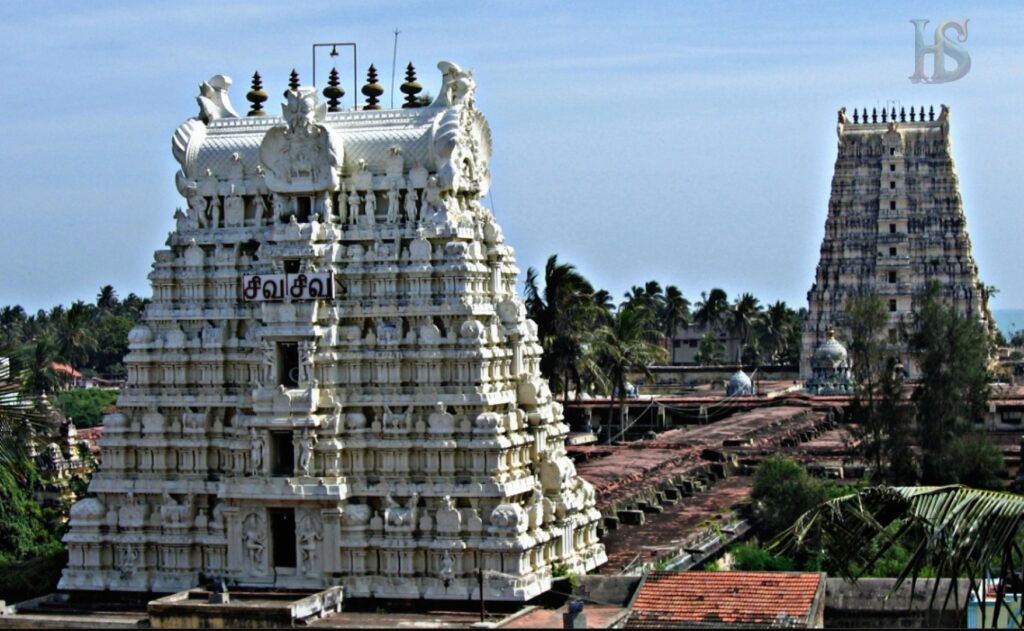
x,y
335,382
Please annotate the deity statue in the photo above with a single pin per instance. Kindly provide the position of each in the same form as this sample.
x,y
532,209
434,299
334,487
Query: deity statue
x,y
306,443
308,539
410,205
256,446
307,351
393,204
215,211
259,209
254,546
371,208
353,205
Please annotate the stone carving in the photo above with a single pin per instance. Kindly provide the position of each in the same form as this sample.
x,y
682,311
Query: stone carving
x,y
309,535
392,204
213,100
448,519
256,449
259,210
302,156
307,441
440,421
254,540
411,208
355,515
370,214
399,517
446,567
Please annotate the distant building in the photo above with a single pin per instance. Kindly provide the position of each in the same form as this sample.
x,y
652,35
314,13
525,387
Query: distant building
x,y
895,223
830,368
686,344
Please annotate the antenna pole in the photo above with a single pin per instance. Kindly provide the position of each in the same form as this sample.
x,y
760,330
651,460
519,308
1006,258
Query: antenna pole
x,y
394,55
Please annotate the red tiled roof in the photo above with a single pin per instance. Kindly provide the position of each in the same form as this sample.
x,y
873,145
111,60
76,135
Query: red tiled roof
x,y
748,599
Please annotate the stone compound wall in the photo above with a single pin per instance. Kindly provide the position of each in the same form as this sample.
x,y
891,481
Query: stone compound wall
x,y
895,222
335,382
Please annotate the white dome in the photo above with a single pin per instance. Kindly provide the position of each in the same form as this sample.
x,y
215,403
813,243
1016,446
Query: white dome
x,y
739,384
88,509
830,353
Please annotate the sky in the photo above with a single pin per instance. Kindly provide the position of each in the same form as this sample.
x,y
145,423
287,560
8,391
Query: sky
x,y
688,143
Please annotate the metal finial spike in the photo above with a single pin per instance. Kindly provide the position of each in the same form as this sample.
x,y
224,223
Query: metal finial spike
x,y
856,116
256,96
885,115
372,90
920,114
293,80
913,115
892,116
334,91
874,114
931,112
903,114
411,88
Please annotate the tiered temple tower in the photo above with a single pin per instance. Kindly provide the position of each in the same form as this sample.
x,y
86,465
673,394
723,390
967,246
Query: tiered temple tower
x,y
895,223
336,382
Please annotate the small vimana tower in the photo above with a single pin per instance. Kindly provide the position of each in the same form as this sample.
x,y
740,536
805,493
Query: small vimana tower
x,y
335,382
895,223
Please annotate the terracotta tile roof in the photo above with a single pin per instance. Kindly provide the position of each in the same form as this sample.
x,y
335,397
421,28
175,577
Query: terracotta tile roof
x,y
748,599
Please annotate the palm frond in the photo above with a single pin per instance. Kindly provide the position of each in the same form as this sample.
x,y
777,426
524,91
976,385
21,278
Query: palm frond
x,y
955,530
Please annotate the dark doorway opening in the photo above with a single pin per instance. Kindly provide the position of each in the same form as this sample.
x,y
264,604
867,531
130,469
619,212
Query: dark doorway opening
x,y
282,454
288,368
282,536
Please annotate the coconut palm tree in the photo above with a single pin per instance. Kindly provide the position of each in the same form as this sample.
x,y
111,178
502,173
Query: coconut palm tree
x,y
675,311
107,298
629,344
713,308
564,311
744,317
74,338
956,531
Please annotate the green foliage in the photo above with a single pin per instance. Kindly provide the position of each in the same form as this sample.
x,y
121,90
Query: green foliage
x,y
31,578
85,406
952,352
751,557
710,350
91,337
1017,338
783,490
24,533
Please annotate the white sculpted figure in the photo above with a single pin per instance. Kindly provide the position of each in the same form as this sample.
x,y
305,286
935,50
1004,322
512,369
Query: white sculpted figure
x,y
253,539
353,205
393,204
213,100
401,516
410,205
440,420
302,156
215,211
306,443
259,209
307,352
308,545
370,216
197,210
448,518
256,447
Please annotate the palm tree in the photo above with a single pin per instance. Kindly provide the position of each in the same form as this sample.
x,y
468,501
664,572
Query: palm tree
x,y
605,306
74,340
563,312
627,345
745,314
775,330
956,531
712,309
675,311
107,298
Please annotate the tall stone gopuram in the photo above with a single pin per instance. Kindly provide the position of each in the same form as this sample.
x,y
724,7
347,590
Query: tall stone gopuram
x,y
895,223
336,382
